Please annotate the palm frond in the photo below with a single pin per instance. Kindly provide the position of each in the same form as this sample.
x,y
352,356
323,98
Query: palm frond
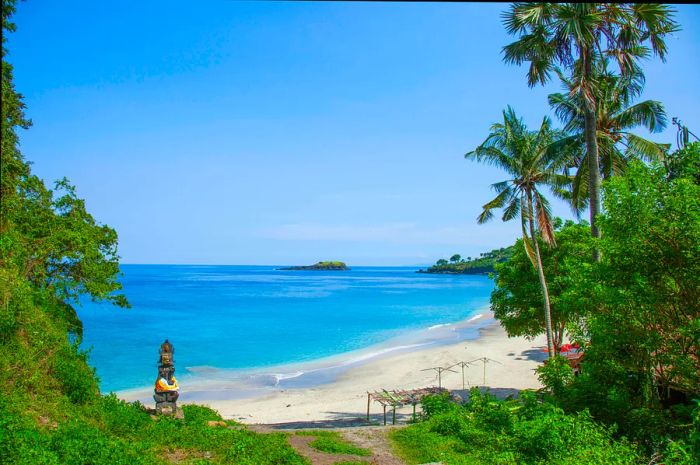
x,y
543,214
567,109
492,156
649,114
498,202
644,148
512,210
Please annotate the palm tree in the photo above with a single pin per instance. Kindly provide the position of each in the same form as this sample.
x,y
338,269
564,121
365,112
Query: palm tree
x,y
526,157
576,35
616,115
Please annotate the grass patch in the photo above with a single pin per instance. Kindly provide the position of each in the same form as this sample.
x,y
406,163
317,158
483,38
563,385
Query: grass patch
x,y
332,442
108,431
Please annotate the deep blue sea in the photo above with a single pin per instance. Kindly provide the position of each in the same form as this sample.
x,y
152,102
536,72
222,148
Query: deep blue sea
x,y
251,317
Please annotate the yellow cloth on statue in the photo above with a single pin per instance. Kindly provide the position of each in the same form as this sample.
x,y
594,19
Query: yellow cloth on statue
x,y
162,385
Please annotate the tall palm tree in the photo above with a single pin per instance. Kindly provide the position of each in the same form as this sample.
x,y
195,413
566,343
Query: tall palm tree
x,y
576,35
525,156
616,115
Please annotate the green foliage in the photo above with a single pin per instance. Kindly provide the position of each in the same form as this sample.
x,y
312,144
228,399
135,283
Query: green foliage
x,y
76,378
482,265
330,264
110,431
685,163
649,323
523,431
517,296
437,404
641,369
556,374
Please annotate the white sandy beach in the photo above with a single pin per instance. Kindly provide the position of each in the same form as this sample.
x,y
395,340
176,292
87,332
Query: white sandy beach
x,y
346,397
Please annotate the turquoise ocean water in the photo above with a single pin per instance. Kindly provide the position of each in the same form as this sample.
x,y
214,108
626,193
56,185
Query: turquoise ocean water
x,y
233,319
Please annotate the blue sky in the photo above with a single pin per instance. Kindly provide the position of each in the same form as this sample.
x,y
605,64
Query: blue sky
x,y
285,133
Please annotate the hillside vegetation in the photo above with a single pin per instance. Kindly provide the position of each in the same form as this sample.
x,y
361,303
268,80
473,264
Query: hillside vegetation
x,y
484,264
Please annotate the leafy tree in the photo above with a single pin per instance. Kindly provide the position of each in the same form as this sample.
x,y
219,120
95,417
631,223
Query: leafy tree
x,y
517,299
455,258
575,36
650,323
524,155
684,163
13,166
616,115
441,262
52,251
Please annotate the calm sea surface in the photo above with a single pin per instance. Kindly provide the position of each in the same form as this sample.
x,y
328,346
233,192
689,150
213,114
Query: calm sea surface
x,y
247,317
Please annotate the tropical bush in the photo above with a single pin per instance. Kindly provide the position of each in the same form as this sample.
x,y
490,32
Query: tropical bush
x,y
523,431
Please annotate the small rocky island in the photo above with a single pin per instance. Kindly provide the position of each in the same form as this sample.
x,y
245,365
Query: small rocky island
x,y
320,266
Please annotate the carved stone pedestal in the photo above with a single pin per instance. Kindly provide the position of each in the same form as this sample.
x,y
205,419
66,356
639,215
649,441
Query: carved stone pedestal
x,y
166,390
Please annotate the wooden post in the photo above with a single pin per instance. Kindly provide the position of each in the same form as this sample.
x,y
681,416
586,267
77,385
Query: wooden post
x,y
384,414
414,413
484,360
393,419
368,401
439,372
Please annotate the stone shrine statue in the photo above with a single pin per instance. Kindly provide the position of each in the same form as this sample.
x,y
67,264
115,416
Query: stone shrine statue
x,y
166,391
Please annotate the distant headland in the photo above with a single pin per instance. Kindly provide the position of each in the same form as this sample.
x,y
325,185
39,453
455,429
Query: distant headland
x,y
321,266
482,265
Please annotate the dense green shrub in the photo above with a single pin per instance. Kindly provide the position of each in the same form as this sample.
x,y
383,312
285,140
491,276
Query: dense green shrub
x,y
522,431
435,404
76,378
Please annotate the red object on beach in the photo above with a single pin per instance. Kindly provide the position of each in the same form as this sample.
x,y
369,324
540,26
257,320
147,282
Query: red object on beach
x,y
566,348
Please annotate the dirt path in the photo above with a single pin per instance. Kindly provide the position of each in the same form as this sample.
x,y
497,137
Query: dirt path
x,y
374,438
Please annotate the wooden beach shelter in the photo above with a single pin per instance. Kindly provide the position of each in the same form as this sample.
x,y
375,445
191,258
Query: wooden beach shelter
x,y
400,398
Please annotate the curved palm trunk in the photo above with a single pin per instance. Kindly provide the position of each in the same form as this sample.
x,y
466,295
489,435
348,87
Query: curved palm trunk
x,y
543,282
591,124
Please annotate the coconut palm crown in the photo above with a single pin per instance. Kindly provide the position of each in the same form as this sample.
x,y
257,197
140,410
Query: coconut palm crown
x,y
577,35
616,115
526,157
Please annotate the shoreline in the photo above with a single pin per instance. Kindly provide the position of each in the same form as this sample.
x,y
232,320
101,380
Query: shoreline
x,y
203,383
336,387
